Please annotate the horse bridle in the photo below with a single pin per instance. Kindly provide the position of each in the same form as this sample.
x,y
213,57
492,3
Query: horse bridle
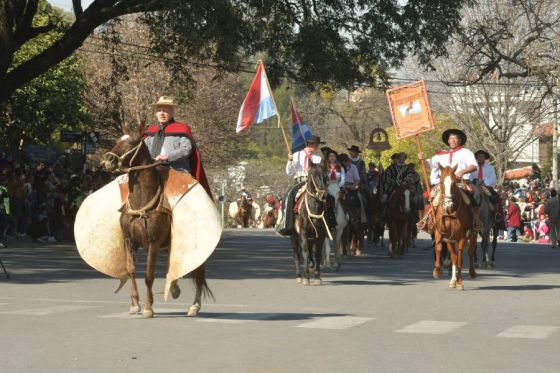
x,y
129,210
135,150
319,195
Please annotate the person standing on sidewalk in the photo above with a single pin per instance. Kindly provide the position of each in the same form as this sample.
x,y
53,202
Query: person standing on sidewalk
x,y
551,209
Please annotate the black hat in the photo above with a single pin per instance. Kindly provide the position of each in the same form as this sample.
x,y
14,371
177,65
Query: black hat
x,y
399,154
354,148
454,131
483,152
314,140
326,149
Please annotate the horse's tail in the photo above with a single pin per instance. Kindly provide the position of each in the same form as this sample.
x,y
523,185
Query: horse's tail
x,y
199,280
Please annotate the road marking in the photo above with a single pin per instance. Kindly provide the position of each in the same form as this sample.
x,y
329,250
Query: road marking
x,y
336,322
237,318
432,327
529,331
46,311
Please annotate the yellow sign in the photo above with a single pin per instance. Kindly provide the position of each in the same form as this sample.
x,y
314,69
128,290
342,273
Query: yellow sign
x,y
410,109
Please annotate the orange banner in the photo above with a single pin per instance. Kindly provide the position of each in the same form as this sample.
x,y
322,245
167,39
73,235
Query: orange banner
x,y
410,109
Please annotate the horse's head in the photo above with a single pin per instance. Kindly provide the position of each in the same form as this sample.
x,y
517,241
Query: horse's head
x,y
317,182
448,187
126,151
402,194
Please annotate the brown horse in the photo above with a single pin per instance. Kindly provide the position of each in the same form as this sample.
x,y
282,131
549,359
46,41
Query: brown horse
x,y
398,220
453,220
310,227
244,210
269,218
144,221
354,230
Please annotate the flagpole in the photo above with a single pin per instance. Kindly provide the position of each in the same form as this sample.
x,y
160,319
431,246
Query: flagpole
x,y
277,112
298,121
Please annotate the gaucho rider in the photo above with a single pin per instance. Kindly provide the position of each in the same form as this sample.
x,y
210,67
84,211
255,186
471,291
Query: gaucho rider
x,y
173,143
356,160
458,156
398,173
297,166
486,177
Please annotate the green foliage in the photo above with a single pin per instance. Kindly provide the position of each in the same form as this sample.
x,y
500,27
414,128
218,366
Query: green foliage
x,y
50,101
340,43
431,143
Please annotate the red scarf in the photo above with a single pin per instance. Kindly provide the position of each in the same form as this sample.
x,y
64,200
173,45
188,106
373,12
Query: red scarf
x,y
307,160
333,173
183,129
450,152
479,176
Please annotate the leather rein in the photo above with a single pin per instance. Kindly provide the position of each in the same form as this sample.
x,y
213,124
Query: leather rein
x,y
155,199
318,195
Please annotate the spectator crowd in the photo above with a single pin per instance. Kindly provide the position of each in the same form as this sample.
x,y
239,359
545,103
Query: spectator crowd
x,y
40,200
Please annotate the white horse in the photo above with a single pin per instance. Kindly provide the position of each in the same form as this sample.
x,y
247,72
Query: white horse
x,y
341,221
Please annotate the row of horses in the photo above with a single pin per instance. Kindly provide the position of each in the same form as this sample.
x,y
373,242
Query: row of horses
x,y
145,224
452,225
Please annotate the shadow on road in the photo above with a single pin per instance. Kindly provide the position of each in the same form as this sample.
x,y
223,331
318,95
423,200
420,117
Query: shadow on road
x,y
260,254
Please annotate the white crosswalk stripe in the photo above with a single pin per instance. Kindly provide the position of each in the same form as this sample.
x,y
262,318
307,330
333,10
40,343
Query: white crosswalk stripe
x,y
47,310
335,322
529,331
431,327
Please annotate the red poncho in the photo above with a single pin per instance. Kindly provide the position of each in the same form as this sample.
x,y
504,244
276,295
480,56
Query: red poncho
x,y
183,129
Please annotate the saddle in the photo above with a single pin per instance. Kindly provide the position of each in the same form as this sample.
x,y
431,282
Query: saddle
x,y
175,185
298,201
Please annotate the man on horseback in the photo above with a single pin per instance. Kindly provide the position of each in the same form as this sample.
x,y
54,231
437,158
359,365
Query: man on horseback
x,y
486,177
458,156
173,143
398,173
297,166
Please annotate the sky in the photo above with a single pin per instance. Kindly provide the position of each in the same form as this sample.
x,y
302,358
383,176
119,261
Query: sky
x,y
67,4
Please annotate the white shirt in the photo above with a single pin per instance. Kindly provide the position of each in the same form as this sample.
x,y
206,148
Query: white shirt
x,y
488,174
296,167
462,158
340,177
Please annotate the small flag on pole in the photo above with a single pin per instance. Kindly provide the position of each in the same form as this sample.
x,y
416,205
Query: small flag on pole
x,y
258,104
300,131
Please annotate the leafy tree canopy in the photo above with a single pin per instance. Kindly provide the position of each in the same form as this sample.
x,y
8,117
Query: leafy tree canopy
x,y
341,42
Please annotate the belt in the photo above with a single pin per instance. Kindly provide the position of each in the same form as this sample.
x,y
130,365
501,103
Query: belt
x,y
300,179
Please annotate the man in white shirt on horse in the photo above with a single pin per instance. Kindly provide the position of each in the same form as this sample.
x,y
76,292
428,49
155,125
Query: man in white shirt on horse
x,y
458,156
486,176
297,166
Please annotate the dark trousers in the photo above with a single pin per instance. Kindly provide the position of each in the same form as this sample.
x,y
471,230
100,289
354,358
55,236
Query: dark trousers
x,y
288,207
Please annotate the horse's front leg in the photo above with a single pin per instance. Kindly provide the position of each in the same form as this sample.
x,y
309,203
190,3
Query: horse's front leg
x,y
472,250
460,247
148,311
437,260
451,250
318,244
304,247
296,253
131,270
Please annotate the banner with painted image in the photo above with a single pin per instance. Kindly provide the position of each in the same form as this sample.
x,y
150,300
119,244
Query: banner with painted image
x,y
410,109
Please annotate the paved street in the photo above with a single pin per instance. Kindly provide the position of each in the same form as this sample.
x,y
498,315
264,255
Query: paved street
x,y
376,314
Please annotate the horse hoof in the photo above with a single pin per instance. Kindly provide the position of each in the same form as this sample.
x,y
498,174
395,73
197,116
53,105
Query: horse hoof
x,y
134,310
452,284
359,253
317,282
147,314
305,282
193,310
460,287
175,291
436,273
472,273
298,280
